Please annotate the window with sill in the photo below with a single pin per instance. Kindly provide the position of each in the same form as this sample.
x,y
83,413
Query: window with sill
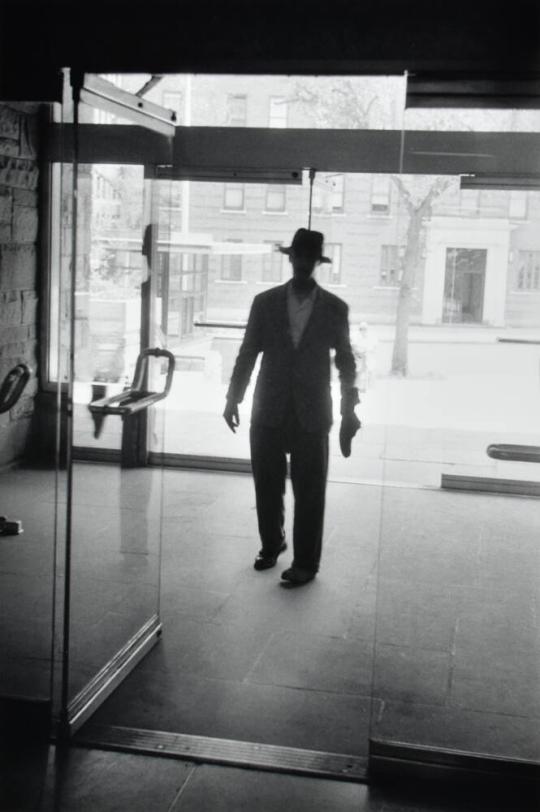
x,y
234,197
391,265
277,116
276,198
273,264
528,271
236,110
329,194
380,194
330,273
231,266
518,205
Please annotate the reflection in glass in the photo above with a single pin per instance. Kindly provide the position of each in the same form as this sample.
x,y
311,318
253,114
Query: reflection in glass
x,y
456,644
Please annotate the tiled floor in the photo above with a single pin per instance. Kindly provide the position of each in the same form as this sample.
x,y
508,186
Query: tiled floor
x,y
422,625
82,780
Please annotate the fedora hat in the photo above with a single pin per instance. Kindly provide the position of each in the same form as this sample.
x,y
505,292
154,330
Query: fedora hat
x,y
307,242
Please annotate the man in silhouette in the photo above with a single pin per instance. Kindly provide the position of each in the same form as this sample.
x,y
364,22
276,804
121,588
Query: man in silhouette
x,y
295,326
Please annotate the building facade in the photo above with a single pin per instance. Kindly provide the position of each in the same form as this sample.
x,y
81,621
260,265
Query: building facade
x,y
478,258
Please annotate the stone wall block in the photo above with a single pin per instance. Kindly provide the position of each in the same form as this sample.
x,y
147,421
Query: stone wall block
x,y
8,147
21,352
18,267
25,197
15,334
18,172
6,206
9,123
25,224
14,439
29,305
23,408
28,136
11,308
19,294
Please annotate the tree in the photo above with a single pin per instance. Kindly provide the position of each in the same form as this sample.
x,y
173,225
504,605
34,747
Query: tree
x,y
419,208
378,103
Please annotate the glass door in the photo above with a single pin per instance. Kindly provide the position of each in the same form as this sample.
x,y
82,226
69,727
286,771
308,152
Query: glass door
x,y
113,556
456,662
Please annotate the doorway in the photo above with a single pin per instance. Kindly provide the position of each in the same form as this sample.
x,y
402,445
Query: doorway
x,y
464,282
260,683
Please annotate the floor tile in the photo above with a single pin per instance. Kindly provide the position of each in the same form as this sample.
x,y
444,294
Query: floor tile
x,y
261,600
315,662
421,614
226,789
482,680
101,781
411,674
313,720
209,650
459,729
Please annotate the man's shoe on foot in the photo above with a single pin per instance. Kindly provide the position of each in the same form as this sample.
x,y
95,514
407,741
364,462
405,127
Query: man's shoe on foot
x,y
266,562
295,576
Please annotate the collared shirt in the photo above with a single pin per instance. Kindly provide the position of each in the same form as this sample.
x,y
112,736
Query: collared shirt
x,y
299,311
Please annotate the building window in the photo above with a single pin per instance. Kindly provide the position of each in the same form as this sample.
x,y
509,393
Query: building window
x,y
329,194
173,100
231,266
380,195
330,273
278,112
273,263
337,193
528,273
276,197
517,205
170,205
391,263
236,113
233,197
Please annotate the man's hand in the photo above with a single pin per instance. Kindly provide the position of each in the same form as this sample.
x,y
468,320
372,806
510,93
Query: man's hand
x,y
232,418
349,426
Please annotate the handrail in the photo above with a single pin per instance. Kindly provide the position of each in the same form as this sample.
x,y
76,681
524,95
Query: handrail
x,y
517,453
12,386
507,340
238,325
135,399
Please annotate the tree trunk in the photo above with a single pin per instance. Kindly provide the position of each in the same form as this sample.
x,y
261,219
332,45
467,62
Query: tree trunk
x,y
400,359
400,363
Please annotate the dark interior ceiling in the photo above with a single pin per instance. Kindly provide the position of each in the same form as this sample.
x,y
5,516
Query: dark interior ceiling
x,y
449,39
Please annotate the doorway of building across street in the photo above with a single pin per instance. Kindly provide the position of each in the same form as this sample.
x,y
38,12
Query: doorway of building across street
x,y
464,284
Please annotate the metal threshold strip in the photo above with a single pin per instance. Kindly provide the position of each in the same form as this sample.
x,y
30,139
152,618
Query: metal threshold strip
x,y
224,751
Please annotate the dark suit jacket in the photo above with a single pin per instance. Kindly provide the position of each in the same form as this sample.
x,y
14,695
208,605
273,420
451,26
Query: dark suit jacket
x,y
294,376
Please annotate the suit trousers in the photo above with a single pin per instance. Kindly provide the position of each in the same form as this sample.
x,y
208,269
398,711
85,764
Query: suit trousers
x,y
309,469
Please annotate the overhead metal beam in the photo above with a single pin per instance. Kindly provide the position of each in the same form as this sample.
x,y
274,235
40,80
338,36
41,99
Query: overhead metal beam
x,y
387,151
494,93
108,144
228,153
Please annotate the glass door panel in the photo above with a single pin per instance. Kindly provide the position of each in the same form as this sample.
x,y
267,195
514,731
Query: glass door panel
x,y
108,296
457,649
209,273
115,519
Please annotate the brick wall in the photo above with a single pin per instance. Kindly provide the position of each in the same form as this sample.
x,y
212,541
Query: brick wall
x,y
19,177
